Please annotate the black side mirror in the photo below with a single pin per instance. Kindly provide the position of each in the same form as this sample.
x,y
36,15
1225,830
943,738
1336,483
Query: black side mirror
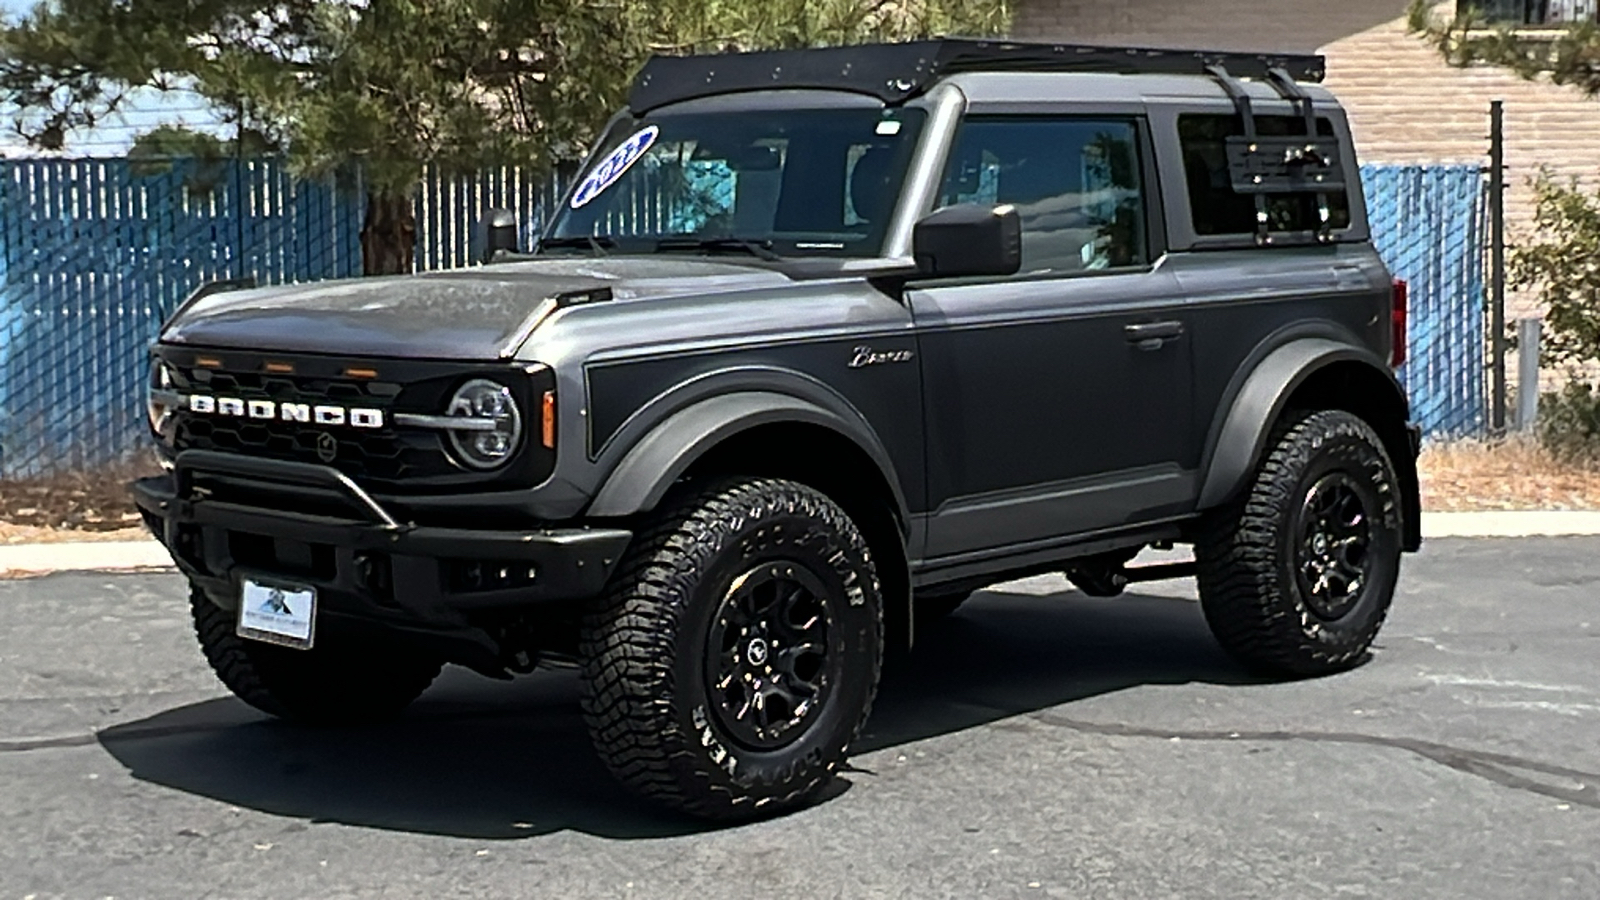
x,y
967,240
499,232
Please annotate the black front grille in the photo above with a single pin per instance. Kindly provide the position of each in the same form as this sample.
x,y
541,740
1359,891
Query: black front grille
x,y
370,455
386,458
380,455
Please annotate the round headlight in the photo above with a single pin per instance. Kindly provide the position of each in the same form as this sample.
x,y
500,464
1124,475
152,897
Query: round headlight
x,y
488,437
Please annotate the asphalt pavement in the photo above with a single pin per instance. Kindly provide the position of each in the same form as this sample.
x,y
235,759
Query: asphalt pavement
x,y
1038,744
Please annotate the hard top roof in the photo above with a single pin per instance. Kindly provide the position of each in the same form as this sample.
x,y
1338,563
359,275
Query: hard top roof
x,y
895,73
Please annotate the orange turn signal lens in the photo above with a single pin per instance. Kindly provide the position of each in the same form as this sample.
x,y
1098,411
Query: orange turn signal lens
x,y
208,362
361,373
547,430
280,368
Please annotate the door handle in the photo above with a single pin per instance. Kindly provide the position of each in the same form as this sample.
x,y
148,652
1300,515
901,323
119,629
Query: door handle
x,y
1151,335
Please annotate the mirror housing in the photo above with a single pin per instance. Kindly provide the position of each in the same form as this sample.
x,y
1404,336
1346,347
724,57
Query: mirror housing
x,y
498,230
967,240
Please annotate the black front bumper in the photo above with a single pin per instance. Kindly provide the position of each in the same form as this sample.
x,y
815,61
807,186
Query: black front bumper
x,y
224,517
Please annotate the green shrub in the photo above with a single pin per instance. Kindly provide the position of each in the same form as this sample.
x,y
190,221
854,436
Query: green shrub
x,y
1569,423
1559,261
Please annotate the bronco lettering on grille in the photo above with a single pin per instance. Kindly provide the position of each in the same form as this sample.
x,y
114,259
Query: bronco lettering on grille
x,y
299,413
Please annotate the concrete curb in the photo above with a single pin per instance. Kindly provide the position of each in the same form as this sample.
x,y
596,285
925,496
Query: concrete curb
x,y
1511,523
132,556
89,556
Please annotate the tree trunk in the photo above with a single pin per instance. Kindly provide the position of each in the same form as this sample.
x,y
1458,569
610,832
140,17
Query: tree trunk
x,y
389,235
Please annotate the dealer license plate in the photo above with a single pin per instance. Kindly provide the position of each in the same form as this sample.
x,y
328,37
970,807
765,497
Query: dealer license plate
x,y
278,613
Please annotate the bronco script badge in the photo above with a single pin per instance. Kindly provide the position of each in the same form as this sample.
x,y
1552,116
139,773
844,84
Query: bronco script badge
x,y
866,356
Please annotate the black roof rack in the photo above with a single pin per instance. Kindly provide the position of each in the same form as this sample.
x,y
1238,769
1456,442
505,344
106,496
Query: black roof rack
x,y
895,73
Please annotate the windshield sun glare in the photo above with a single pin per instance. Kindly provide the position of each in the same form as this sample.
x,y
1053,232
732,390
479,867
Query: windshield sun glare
x,y
764,184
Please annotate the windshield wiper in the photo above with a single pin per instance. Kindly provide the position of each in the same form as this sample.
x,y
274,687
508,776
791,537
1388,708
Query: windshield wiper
x,y
758,249
598,244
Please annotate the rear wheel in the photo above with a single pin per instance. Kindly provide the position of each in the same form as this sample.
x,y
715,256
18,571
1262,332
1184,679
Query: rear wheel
x,y
737,654
335,682
1296,576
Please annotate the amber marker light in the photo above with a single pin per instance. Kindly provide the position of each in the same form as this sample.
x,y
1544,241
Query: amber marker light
x,y
280,368
361,373
547,420
208,362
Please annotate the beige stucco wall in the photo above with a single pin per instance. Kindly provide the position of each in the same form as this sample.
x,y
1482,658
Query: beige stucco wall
x,y
1405,103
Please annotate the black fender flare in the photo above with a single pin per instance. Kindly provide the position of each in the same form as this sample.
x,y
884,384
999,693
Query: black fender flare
x,y
656,461
1261,400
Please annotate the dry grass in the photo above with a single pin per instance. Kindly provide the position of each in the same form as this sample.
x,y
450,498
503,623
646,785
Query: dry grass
x,y
1516,473
70,506
33,534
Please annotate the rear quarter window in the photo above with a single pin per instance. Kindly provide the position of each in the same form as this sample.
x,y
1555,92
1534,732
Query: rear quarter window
x,y
1216,209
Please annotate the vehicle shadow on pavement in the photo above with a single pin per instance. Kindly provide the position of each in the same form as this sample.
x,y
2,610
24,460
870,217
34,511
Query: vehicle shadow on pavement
x,y
475,758
1005,654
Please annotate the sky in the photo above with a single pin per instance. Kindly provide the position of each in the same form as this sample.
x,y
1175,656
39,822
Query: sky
x,y
113,138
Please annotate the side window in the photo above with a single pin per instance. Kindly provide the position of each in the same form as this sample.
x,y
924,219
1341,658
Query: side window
x,y
1217,209
1530,12
1075,182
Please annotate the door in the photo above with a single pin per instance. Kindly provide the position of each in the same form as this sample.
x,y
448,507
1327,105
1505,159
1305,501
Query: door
x,y
1057,401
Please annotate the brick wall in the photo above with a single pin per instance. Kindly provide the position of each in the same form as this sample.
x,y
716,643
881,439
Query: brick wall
x,y
1405,104
1291,25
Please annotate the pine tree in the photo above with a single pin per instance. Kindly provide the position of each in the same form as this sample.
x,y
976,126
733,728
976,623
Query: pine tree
x,y
394,86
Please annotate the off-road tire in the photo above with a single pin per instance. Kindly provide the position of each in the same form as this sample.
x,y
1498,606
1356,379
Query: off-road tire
x,y
1254,558
335,682
650,695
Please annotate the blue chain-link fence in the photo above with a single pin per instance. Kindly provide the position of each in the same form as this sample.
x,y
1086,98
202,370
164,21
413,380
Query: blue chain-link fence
x,y
95,253
1427,223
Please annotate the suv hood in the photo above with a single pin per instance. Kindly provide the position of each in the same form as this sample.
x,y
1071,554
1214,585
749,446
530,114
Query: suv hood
x,y
480,313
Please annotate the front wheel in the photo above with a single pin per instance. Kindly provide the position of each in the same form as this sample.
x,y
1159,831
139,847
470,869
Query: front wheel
x,y
737,653
1296,576
336,682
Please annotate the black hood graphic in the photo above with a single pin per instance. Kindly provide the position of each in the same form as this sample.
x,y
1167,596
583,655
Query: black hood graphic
x,y
471,314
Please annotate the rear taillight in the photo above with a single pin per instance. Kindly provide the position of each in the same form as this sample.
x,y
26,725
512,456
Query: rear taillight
x,y
1397,320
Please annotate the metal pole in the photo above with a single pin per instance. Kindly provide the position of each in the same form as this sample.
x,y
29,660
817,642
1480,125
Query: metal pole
x,y
239,205
1497,264
1527,373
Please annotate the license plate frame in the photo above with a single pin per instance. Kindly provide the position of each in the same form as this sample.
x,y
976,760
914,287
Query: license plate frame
x,y
277,612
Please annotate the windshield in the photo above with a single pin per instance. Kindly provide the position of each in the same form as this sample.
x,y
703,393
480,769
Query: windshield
x,y
792,182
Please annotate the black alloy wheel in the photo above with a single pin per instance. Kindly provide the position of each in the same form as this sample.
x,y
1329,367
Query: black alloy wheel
x,y
1336,535
770,668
